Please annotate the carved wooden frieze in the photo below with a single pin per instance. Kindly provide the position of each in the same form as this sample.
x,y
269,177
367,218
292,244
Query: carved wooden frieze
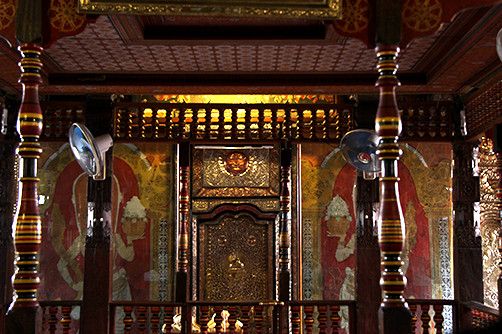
x,y
236,266
235,172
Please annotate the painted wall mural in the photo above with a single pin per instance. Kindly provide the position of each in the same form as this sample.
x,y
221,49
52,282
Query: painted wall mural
x,y
141,204
328,210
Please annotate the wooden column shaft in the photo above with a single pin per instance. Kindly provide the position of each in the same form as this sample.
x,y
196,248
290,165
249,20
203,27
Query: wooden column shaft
x,y
467,252
367,257
394,315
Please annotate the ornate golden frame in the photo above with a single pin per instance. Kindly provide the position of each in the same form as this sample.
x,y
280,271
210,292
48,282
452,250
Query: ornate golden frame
x,y
309,9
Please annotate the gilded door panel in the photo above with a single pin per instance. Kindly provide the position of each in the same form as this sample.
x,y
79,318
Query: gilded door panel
x,y
236,259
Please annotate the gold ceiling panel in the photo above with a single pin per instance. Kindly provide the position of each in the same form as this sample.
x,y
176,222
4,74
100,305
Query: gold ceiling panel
x,y
310,9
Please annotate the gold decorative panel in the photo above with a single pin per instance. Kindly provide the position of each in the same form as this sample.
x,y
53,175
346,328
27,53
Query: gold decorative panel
x,y
235,172
315,9
489,166
206,205
236,256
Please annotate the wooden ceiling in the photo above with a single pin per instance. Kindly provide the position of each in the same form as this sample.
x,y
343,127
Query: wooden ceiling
x,y
191,55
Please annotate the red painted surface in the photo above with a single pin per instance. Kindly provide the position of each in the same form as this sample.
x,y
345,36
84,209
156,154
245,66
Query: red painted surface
x,y
61,235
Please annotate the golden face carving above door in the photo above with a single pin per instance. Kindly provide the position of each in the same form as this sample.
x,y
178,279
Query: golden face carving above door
x,y
236,258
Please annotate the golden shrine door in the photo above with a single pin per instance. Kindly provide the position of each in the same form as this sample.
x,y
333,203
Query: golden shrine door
x,y
236,257
234,206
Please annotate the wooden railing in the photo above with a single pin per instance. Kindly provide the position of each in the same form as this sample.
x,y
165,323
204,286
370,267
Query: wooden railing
x,y
58,117
57,316
323,316
428,317
262,317
231,122
428,120
252,317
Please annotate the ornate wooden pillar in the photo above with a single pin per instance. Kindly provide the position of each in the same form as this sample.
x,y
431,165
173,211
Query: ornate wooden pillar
x,y
367,257
95,314
467,252
8,190
182,286
28,234
394,315
285,233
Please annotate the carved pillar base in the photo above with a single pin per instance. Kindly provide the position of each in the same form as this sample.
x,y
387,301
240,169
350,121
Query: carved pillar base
x,y
22,321
394,320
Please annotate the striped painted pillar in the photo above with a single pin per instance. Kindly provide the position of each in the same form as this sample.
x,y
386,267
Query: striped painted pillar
x,y
394,315
28,235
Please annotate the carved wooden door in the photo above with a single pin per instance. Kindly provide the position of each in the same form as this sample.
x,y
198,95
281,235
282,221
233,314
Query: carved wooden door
x,y
236,256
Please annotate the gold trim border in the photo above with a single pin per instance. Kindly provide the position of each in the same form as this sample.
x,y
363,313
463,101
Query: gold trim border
x,y
330,9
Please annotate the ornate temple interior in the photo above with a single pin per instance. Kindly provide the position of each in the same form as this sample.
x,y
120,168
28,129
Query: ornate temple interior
x,y
236,195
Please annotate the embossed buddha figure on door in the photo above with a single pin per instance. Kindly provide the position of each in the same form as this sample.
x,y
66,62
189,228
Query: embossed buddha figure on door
x,y
235,259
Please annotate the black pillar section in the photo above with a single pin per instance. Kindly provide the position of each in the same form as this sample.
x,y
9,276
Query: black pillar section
x,y
182,293
367,257
9,140
467,252
95,315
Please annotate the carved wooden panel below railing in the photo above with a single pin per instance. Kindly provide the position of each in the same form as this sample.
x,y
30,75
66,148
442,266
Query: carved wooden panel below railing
x,y
231,122
428,315
480,316
58,117
60,317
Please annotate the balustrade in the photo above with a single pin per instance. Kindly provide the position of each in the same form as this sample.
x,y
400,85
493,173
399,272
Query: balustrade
x,y
428,316
59,317
246,122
